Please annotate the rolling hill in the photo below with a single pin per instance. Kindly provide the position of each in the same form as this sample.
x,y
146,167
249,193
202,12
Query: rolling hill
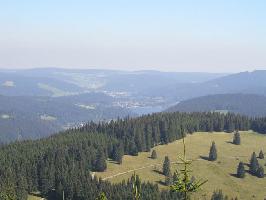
x,y
245,82
28,117
245,104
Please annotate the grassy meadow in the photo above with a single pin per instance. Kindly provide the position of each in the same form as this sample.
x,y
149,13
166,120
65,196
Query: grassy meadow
x,y
220,173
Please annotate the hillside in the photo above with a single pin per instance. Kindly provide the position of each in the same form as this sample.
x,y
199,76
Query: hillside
x,y
219,173
27,117
244,82
64,161
246,104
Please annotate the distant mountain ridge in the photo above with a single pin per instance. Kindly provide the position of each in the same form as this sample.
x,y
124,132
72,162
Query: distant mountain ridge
x,y
57,98
245,104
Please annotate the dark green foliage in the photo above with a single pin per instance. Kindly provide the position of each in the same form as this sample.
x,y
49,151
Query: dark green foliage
x,y
153,154
260,172
166,166
213,152
175,177
218,195
118,153
241,170
245,104
100,164
261,155
254,164
168,180
237,139
102,196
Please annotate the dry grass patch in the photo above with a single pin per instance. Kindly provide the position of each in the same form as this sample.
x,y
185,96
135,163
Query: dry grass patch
x,y
218,173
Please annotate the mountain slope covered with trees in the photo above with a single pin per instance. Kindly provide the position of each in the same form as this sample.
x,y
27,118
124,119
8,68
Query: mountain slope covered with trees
x,y
27,117
245,104
62,162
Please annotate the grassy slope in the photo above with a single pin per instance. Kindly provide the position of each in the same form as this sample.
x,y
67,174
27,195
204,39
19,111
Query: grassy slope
x,y
218,173
32,197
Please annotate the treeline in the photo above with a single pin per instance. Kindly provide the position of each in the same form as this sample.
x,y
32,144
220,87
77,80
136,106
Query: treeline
x,y
62,163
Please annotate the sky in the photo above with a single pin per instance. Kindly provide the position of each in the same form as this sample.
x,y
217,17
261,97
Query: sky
x,y
166,35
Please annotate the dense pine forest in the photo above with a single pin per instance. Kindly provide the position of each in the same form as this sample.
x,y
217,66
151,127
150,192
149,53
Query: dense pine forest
x,y
61,164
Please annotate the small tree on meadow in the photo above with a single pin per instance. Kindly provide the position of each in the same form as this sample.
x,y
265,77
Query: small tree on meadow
x,y
213,152
166,166
236,139
168,180
175,177
260,172
254,164
261,155
153,154
241,170
183,183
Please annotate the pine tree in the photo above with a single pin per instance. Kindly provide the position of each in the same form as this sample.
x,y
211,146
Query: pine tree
x,y
213,152
100,164
166,166
237,139
153,154
241,170
261,155
254,164
168,180
260,172
118,153
175,177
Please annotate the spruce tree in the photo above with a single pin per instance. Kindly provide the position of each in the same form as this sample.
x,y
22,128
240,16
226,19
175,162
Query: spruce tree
x,y
254,164
168,179
100,164
261,155
260,172
237,139
118,154
153,154
213,152
241,170
175,177
166,166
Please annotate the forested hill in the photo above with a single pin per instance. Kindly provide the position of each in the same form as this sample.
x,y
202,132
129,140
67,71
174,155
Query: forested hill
x,y
32,117
62,162
245,104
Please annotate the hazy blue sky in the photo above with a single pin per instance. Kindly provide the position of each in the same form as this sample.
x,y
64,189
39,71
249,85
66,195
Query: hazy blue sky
x,y
188,35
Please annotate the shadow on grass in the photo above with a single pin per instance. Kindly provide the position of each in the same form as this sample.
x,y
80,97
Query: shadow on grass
x,y
113,162
205,158
234,175
229,142
160,183
157,171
